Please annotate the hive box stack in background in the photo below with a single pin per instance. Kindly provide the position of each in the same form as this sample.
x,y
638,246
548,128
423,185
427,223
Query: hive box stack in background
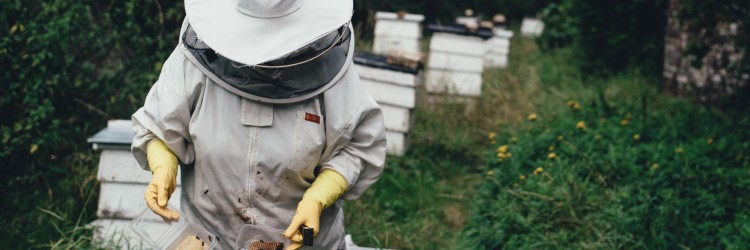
x,y
456,60
498,48
397,32
532,27
394,88
122,185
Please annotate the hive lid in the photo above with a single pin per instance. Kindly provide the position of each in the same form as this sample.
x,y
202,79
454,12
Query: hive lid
x,y
460,30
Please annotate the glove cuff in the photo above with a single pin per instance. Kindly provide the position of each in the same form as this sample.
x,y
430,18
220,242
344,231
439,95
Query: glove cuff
x,y
326,189
160,157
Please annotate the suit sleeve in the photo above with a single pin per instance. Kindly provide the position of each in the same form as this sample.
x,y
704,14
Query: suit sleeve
x,y
167,110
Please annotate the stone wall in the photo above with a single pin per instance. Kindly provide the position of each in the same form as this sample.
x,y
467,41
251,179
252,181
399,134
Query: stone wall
x,y
710,77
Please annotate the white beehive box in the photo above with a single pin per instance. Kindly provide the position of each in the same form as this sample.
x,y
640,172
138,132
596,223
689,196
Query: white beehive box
x,y
532,27
456,60
394,88
122,185
498,48
397,33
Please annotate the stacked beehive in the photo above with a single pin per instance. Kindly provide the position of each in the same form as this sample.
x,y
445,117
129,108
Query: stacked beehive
x,y
122,185
456,60
532,27
498,48
397,32
394,88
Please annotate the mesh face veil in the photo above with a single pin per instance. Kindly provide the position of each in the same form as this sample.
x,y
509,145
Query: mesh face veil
x,y
296,74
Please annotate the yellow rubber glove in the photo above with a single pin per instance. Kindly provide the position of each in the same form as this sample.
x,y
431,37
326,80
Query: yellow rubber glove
x,y
324,191
163,165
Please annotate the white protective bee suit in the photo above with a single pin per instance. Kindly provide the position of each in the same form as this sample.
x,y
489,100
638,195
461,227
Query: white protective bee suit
x,y
247,159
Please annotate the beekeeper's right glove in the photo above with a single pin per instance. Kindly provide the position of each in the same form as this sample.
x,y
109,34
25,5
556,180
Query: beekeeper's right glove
x,y
163,165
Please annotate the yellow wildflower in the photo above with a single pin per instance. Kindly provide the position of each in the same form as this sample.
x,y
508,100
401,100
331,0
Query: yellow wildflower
x,y
551,148
501,155
532,117
636,137
491,136
508,154
552,155
710,141
654,166
538,170
490,173
624,122
522,177
574,105
679,150
560,138
581,125
502,149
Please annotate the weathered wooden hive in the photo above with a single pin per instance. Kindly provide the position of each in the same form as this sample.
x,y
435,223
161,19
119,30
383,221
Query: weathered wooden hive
x,y
397,32
394,88
122,185
456,60
531,27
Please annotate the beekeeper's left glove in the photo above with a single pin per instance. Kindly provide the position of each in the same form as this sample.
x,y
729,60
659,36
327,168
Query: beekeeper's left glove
x,y
324,191
163,165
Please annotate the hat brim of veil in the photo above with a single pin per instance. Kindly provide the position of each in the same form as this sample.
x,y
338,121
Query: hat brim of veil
x,y
252,40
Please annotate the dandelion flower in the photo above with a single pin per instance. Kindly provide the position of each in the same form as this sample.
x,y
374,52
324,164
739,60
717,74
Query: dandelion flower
x,y
574,105
655,166
490,173
679,150
502,149
508,154
501,155
636,137
532,117
491,136
710,141
560,138
552,155
624,122
581,125
551,148
522,177
538,170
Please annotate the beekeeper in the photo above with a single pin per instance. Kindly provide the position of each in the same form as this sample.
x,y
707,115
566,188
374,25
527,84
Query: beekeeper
x,y
262,108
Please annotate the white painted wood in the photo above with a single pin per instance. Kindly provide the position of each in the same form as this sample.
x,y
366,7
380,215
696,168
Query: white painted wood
x,y
496,60
496,42
116,234
384,44
409,17
396,118
120,166
532,27
125,200
502,33
396,143
465,84
470,20
456,62
120,124
397,28
457,44
384,75
393,94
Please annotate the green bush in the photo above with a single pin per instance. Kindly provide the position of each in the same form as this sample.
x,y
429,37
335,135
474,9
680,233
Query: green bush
x,y
69,67
612,35
610,174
